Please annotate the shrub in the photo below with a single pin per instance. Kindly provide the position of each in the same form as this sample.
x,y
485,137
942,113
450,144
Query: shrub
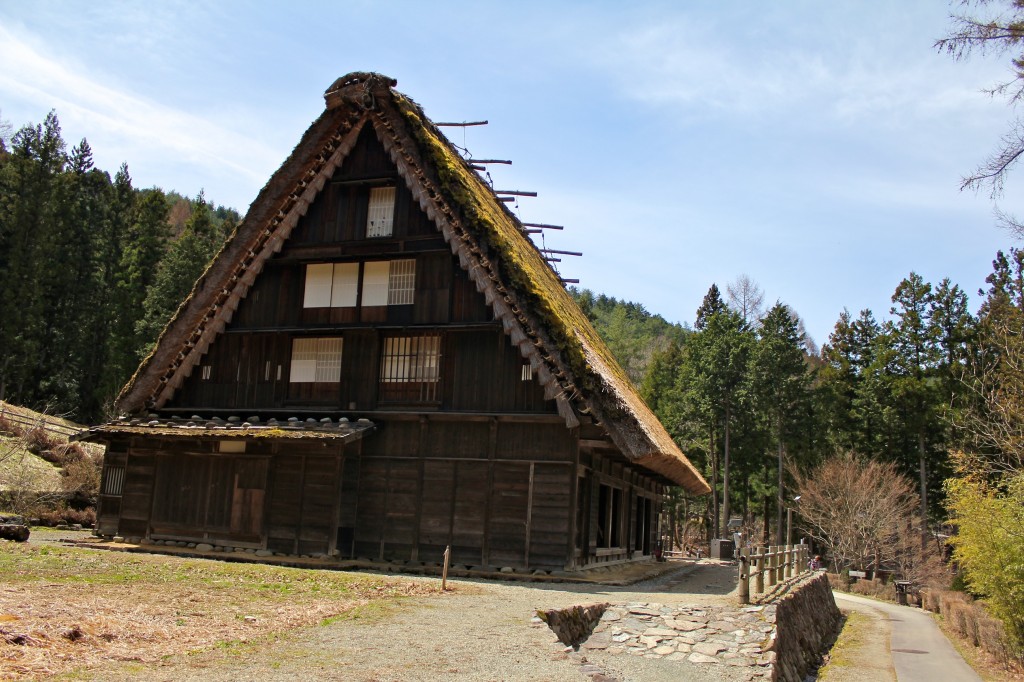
x,y
64,514
971,620
990,546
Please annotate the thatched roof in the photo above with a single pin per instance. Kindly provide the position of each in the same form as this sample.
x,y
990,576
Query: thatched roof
x,y
569,359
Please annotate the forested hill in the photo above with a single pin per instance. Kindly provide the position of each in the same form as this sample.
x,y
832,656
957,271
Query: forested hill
x,y
633,334
91,268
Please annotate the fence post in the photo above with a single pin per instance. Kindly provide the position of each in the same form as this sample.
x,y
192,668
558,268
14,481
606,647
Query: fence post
x,y
770,564
444,571
789,561
744,586
759,580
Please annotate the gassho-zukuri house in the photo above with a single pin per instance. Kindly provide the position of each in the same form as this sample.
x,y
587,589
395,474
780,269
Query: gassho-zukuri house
x,y
380,363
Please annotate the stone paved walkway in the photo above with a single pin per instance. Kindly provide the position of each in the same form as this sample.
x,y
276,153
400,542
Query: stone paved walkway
x,y
740,637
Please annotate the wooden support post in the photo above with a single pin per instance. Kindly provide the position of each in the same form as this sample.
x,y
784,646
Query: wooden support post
x,y
744,577
787,557
444,571
772,561
759,581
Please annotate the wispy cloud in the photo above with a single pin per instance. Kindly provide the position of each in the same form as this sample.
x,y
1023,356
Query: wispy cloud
x,y
682,62
106,111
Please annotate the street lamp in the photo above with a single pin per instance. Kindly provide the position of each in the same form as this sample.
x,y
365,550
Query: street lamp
x,y
789,522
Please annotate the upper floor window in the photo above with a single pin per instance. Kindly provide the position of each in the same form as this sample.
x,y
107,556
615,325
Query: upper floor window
x,y
410,368
331,285
316,360
336,285
380,216
389,282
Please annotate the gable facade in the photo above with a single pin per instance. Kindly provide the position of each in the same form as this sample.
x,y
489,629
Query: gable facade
x,y
380,364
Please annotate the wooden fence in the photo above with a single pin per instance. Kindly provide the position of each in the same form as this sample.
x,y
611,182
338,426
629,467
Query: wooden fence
x,y
769,566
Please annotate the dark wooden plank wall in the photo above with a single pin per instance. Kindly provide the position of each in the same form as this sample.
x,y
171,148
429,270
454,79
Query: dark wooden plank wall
x,y
499,492
481,372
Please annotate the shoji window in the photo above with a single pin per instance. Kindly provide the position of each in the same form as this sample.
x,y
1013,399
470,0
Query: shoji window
x,y
331,285
316,360
389,282
380,216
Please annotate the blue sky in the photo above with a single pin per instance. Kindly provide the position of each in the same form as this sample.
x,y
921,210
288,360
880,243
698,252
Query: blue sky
x,y
816,147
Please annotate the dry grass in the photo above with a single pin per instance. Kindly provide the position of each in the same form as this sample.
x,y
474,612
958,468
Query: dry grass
x,y
65,608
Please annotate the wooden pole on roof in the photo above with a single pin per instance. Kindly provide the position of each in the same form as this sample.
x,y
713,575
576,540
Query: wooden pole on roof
x,y
564,253
515,192
464,124
504,161
544,226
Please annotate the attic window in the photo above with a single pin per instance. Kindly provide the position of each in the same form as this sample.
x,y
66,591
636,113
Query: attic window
x,y
380,214
389,282
207,371
527,372
331,285
316,360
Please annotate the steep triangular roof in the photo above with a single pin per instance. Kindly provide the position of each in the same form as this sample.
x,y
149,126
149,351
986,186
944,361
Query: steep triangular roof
x,y
570,360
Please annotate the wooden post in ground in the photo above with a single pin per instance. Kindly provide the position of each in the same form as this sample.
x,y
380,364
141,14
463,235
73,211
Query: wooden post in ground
x,y
759,580
444,571
772,561
744,586
788,558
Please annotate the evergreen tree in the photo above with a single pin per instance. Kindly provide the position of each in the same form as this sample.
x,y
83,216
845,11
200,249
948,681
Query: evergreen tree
x,y
181,267
915,358
711,305
27,176
780,384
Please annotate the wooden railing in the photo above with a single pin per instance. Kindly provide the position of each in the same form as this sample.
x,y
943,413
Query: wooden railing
x,y
769,566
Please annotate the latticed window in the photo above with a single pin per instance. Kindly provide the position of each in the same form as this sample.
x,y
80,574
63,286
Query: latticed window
x,y
401,282
389,282
526,373
113,482
380,216
410,368
316,360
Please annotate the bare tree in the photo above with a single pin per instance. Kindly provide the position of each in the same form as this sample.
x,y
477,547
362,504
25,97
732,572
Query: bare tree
x,y
860,509
746,297
994,422
1000,32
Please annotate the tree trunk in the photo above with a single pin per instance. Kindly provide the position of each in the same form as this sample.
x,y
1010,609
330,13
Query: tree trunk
x,y
766,534
714,486
726,511
923,466
779,506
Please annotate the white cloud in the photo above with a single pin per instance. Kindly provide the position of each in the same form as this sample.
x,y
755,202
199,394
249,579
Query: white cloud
x,y
137,123
682,62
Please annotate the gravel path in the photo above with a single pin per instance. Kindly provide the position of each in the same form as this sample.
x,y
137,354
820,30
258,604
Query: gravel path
x,y
482,631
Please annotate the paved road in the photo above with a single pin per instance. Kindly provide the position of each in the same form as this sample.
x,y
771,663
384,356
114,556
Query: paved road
x,y
920,652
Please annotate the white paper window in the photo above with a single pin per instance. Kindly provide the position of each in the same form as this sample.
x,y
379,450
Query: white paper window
x,y
527,374
316,360
376,275
345,286
331,285
318,285
402,282
380,216
207,372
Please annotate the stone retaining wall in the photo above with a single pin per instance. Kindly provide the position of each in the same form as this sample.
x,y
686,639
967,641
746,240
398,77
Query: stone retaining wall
x,y
806,620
